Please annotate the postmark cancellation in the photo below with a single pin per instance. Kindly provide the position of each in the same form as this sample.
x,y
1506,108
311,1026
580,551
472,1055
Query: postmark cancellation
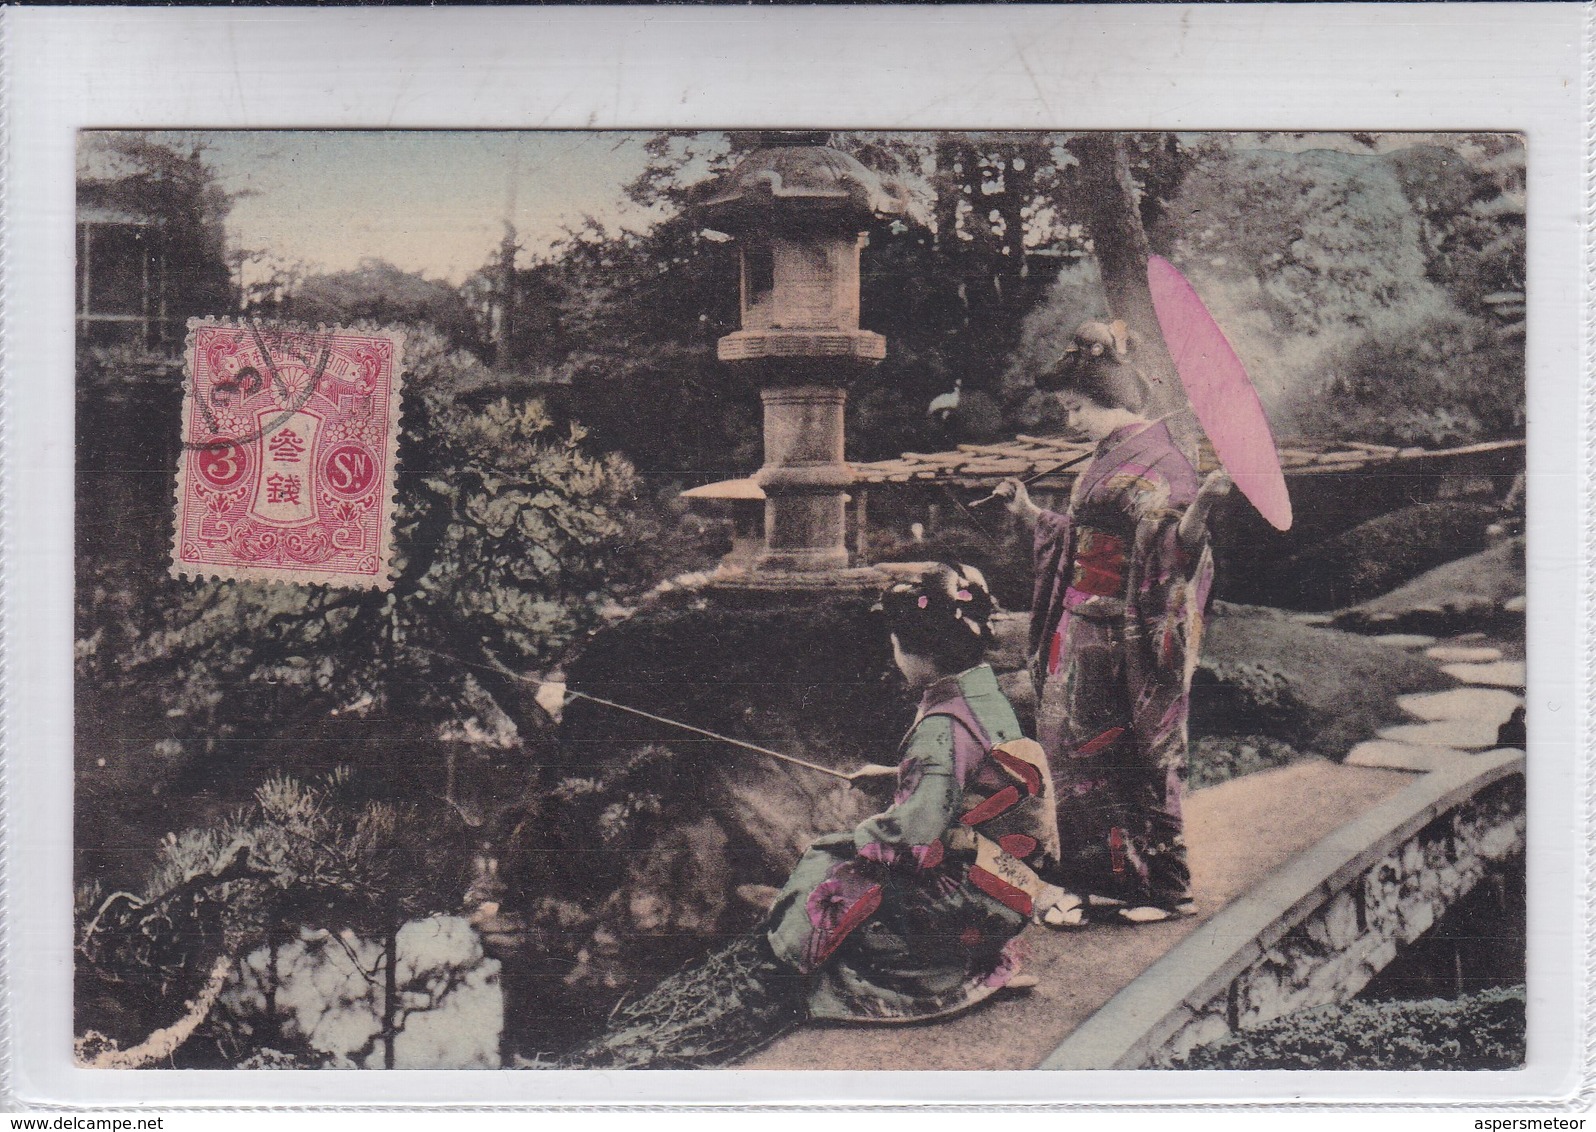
x,y
290,443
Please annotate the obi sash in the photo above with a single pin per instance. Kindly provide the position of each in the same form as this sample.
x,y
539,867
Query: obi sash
x,y
1098,564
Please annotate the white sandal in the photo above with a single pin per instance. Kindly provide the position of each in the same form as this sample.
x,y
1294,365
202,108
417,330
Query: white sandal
x,y
1059,910
1149,914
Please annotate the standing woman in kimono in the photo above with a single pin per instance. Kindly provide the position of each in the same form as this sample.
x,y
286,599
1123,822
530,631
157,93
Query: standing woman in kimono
x,y
1120,585
915,912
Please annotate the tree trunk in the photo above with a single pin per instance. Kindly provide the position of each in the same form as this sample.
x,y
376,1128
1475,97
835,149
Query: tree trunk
x,y
163,1043
1106,197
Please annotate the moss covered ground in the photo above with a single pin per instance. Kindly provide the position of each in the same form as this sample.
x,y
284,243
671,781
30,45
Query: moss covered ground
x,y
1478,1031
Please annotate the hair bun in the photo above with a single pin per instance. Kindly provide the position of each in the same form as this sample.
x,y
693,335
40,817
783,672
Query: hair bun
x,y
945,613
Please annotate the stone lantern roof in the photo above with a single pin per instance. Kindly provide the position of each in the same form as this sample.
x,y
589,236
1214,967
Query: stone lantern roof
x,y
797,181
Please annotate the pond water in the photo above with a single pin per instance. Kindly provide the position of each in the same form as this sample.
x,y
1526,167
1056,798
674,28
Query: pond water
x,y
329,991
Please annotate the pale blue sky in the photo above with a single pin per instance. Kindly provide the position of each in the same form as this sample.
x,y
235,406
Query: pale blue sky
x,y
432,202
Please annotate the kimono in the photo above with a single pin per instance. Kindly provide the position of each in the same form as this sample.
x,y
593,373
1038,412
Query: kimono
x,y
916,912
1116,623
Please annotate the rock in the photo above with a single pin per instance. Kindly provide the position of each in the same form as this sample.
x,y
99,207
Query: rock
x,y
1488,704
1316,689
1401,756
1313,618
1464,654
1403,640
1516,604
1461,734
1499,674
1513,733
1376,556
1464,594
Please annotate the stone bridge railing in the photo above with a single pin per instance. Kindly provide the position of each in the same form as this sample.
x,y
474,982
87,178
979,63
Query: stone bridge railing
x,y
1321,927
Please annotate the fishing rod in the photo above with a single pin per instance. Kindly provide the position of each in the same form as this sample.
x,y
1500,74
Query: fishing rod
x,y
869,770
1043,474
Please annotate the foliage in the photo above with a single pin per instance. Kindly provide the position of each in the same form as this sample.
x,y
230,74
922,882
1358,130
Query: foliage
x,y
1444,381
300,855
720,1009
1320,239
638,318
1371,295
136,172
511,535
1220,758
1470,200
1375,557
1477,1032
378,291
631,318
1318,690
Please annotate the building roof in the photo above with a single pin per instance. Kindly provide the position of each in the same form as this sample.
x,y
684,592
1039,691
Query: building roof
x,y
726,489
984,465
1031,458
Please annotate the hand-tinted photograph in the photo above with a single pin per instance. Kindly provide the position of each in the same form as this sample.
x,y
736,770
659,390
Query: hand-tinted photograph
x,y
800,600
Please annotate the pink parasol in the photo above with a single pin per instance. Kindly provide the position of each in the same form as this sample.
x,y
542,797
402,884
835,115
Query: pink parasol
x,y
1220,393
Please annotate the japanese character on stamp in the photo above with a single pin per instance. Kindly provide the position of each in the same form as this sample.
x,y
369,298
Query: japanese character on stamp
x,y
290,441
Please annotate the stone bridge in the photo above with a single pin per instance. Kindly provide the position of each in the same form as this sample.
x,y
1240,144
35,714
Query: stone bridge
x,y
1311,879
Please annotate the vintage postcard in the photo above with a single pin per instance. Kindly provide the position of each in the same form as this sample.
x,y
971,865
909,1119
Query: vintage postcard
x,y
801,600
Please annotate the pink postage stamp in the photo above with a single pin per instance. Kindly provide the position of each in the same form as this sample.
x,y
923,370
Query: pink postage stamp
x,y
289,445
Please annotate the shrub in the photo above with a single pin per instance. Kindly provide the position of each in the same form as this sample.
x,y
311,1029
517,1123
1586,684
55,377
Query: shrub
x,y
1481,1031
1219,758
1446,380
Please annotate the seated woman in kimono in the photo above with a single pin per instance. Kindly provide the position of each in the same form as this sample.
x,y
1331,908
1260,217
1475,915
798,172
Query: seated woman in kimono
x,y
1121,582
915,913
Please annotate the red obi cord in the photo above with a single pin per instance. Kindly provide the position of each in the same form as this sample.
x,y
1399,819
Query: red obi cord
x,y
1001,890
997,804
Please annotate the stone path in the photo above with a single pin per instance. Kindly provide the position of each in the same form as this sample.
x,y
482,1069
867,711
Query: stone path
x,y
1456,723
1403,640
1464,654
1240,832
1499,674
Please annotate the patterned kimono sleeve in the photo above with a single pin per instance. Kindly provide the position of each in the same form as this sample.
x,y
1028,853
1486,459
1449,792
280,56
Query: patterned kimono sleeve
x,y
1049,554
926,800
1166,590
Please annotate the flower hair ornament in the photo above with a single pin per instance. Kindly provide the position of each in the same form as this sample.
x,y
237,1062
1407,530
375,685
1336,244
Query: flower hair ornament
x,y
948,597
972,600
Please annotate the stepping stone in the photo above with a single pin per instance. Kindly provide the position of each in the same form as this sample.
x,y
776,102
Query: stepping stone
x,y
1403,640
1515,604
1459,734
1489,705
1464,654
1387,755
1500,674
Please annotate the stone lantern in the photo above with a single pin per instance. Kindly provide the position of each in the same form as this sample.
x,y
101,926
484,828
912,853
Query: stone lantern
x,y
798,211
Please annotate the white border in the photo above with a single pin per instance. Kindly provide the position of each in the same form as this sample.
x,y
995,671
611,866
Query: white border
x,y
1244,66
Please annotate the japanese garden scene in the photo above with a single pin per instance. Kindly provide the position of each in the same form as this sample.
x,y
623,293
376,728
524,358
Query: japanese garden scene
x,y
800,600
